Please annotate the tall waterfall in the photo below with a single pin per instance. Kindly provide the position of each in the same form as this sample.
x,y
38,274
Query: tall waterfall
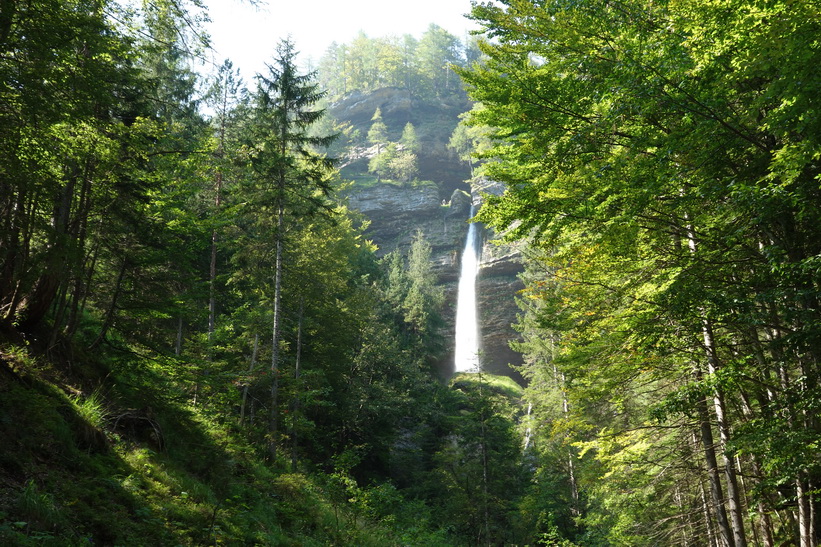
x,y
467,321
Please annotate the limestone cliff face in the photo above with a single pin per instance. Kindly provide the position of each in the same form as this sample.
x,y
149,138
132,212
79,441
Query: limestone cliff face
x,y
395,214
439,210
497,287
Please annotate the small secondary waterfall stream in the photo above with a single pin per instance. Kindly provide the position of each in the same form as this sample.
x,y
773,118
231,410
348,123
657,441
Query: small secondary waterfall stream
x,y
467,321
528,431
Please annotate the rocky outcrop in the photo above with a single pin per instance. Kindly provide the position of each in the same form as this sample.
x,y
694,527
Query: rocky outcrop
x,y
395,213
357,108
497,287
434,121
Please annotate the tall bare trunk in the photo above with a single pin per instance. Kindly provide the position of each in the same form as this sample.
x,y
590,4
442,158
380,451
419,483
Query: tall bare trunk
x,y
212,273
250,370
571,465
112,307
713,364
713,476
212,285
805,531
274,415
733,494
705,510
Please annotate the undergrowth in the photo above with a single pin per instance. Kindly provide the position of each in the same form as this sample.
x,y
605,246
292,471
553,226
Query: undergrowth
x,y
131,463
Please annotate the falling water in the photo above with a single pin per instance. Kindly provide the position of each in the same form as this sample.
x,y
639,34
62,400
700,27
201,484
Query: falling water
x,y
467,324
528,432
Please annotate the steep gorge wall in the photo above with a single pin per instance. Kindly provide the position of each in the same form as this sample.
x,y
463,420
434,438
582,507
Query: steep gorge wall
x,y
497,287
440,210
395,213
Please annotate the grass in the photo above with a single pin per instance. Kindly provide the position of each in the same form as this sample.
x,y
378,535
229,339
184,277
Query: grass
x,y
91,409
501,385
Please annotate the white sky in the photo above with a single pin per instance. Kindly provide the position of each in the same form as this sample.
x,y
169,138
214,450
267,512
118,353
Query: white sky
x,y
247,35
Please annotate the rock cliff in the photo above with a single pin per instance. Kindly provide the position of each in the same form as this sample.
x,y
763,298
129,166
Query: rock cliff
x,y
440,209
497,287
395,213
434,121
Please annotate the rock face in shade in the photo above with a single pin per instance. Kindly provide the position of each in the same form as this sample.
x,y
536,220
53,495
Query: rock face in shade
x,y
497,288
440,210
396,213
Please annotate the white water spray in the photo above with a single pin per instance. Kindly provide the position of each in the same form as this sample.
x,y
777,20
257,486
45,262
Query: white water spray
x,y
467,321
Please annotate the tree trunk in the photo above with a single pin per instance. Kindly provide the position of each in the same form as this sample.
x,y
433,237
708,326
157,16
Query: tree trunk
x,y
733,495
273,421
724,530
81,291
733,499
805,530
247,383
571,466
109,316
762,535
212,271
705,509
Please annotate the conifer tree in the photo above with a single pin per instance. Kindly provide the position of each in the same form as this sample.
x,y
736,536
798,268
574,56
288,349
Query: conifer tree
x,y
290,177
378,135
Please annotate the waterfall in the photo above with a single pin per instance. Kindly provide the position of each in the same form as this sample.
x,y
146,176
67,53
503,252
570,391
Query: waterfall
x,y
467,321
528,432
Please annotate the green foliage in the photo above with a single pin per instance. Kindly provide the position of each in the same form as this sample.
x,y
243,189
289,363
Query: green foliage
x,y
422,66
470,141
409,140
378,133
413,290
404,166
478,477
654,159
396,160
381,163
38,509
153,255
91,409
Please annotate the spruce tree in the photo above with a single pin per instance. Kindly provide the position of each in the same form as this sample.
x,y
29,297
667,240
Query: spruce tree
x,y
290,177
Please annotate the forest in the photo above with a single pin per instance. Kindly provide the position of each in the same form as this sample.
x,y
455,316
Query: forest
x,y
200,343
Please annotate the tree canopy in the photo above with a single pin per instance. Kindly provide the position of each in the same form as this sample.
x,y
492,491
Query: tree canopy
x,y
663,159
198,344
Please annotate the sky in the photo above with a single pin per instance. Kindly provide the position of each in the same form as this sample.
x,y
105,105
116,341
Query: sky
x,y
248,36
